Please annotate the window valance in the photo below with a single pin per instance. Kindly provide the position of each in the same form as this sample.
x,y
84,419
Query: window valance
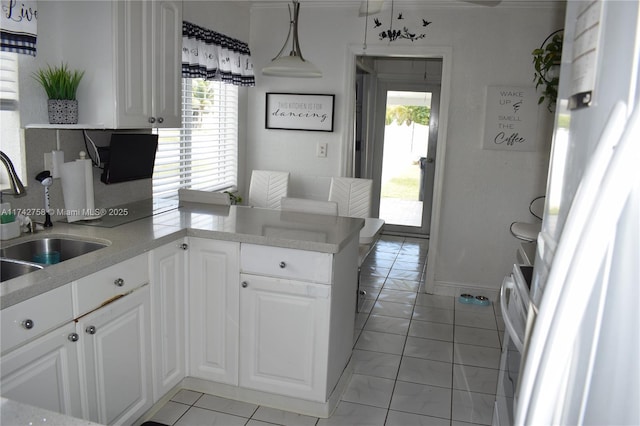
x,y
19,26
214,56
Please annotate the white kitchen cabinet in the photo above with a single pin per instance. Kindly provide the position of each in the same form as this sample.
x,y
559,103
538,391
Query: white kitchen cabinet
x,y
287,263
297,313
149,40
95,290
168,289
130,51
34,317
213,306
284,336
115,352
44,372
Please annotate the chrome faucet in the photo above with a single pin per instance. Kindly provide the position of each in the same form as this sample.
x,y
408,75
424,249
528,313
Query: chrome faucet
x,y
14,181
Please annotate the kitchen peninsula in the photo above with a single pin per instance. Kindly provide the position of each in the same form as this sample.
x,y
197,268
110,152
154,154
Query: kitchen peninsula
x,y
247,303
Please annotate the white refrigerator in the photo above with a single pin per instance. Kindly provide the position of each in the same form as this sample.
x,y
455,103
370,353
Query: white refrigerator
x,y
581,360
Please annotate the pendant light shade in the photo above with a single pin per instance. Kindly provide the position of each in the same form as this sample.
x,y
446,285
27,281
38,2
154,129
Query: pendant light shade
x,y
293,64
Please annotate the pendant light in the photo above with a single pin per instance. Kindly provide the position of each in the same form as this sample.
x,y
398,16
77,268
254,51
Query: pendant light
x,y
293,64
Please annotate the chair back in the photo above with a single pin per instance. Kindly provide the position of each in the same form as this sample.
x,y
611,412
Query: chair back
x,y
305,205
206,197
353,196
267,188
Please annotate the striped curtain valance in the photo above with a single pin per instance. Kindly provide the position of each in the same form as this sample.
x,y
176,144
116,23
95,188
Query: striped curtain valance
x,y
18,26
213,56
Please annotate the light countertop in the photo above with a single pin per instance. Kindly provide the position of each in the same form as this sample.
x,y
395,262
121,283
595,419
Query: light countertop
x,y
302,231
15,413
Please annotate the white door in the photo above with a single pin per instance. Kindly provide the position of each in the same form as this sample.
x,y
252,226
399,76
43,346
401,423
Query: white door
x,y
44,373
168,332
213,310
117,351
284,332
167,71
404,155
135,63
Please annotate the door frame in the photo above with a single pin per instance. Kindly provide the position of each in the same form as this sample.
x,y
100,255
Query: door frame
x,y
383,87
346,162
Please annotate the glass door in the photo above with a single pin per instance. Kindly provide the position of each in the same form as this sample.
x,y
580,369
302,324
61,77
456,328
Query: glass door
x,y
407,156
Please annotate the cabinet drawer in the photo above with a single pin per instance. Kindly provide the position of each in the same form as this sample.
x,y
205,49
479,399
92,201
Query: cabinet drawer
x,y
33,317
286,263
95,289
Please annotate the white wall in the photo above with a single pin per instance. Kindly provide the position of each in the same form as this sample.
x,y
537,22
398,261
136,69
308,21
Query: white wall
x,y
484,190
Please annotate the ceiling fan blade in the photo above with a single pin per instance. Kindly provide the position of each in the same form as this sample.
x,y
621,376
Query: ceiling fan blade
x,y
374,6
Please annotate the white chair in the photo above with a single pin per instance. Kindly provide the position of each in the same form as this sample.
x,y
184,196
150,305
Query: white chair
x,y
267,188
353,196
205,197
304,205
529,231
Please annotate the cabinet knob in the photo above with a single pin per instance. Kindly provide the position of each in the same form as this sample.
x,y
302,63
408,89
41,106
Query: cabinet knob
x,y
184,246
73,337
152,120
283,265
119,282
90,329
28,324
160,120
244,284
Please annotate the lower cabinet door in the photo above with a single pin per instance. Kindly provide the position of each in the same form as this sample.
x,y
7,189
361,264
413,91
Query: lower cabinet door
x,y
116,347
213,310
168,286
44,372
284,332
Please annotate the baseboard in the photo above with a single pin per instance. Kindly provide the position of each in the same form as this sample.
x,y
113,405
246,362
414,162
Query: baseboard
x,y
295,405
158,405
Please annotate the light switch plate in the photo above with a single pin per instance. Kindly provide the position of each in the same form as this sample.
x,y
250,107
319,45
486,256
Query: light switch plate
x,y
321,149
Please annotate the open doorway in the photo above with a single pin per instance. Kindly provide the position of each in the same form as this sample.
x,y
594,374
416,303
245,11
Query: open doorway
x,y
397,111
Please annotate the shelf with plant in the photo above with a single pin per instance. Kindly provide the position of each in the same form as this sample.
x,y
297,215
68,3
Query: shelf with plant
x,y
61,86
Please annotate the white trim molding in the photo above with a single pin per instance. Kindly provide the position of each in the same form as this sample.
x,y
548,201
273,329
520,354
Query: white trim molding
x,y
346,160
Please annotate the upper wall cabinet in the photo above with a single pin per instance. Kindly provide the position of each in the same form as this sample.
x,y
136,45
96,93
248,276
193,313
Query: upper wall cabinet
x,y
149,63
130,51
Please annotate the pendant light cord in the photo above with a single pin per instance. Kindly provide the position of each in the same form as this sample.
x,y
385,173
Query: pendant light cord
x,y
366,24
391,21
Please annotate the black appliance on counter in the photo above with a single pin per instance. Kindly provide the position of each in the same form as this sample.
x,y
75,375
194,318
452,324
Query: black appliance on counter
x,y
130,156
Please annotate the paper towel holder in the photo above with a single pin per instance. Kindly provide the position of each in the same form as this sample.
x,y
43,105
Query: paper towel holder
x,y
131,157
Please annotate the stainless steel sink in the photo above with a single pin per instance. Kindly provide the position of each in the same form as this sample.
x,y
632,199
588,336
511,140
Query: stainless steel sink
x,y
51,250
14,268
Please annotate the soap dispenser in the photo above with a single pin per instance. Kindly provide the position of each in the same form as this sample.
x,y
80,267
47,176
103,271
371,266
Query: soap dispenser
x,y
46,180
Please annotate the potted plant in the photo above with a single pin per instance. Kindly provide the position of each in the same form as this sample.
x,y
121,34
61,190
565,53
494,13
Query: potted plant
x,y
546,62
61,85
234,197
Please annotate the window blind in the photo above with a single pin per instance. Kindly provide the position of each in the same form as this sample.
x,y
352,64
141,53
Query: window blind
x,y
203,154
11,134
8,81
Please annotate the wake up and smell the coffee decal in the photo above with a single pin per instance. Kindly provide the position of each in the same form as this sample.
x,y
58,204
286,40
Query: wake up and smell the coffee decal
x,y
511,118
299,111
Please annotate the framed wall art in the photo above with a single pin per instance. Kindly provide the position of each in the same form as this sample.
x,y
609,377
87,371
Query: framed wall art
x,y
511,119
299,111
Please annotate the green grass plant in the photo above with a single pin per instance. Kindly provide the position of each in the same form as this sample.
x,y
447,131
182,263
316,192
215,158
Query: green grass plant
x,y
59,82
405,185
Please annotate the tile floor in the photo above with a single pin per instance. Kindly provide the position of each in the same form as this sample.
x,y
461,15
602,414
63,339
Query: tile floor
x,y
418,359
